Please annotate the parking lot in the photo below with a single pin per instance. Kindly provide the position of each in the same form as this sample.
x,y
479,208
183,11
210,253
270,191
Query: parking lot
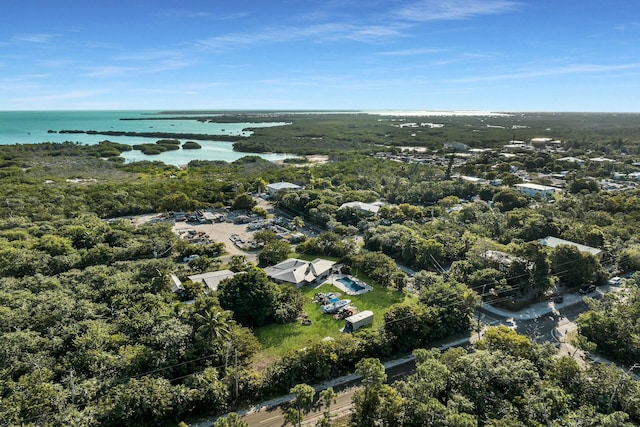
x,y
220,232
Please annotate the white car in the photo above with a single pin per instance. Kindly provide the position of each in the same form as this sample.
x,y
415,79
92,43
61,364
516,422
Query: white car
x,y
615,281
190,258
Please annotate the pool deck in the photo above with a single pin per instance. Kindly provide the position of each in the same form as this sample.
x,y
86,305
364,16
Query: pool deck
x,y
333,279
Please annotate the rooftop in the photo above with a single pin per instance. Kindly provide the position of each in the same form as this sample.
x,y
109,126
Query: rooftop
x,y
297,271
552,242
283,186
212,279
538,187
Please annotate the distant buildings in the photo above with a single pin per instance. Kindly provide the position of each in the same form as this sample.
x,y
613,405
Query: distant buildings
x,y
272,188
369,208
552,242
473,179
517,146
299,272
502,260
454,145
575,160
212,279
533,190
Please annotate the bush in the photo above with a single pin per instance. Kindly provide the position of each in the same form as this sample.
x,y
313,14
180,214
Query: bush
x,y
191,145
274,252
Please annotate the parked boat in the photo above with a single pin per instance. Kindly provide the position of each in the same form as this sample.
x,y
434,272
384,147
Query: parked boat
x,y
335,306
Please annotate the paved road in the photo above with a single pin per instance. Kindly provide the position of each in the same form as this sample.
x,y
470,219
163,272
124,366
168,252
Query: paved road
x,y
541,322
274,417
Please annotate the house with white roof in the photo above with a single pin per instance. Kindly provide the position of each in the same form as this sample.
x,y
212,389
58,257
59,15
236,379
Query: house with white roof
x,y
371,208
474,179
299,272
533,190
272,188
570,159
552,242
176,284
212,279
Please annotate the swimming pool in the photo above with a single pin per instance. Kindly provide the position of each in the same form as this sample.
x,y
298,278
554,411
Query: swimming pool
x,y
350,284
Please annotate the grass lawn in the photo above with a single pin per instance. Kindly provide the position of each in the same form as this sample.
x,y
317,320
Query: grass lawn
x,y
277,340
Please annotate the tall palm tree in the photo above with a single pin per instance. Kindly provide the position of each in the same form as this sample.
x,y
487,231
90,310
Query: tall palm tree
x,y
297,222
214,325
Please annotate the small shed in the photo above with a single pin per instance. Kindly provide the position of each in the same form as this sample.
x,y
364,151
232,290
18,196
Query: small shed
x,y
358,320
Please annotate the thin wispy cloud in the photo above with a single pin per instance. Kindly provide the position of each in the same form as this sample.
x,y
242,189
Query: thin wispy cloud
x,y
151,55
156,91
22,82
559,71
411,52
35,38
444,10
390,26
176,13
110,71
192,14
317,33
46,97
55,63
91,44
328,53
627,27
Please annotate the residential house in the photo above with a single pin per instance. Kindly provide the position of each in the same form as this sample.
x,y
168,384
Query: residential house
x,y
552,242
212,279
533,190
299,272
502,260
274,187
370,208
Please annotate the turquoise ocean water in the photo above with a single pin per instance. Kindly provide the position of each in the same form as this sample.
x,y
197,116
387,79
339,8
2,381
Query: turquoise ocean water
x,y
27,127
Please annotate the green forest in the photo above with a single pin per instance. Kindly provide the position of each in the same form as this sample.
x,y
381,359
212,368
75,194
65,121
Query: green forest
x,y
93,334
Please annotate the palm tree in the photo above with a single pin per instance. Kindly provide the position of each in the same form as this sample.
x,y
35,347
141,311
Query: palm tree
x,y
214,325
297,222
261,184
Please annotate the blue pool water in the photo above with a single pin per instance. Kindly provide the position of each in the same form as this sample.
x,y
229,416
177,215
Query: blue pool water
x,y
350,284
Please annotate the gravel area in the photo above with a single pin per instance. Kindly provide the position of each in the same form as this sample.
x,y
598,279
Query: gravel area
x,y
220,232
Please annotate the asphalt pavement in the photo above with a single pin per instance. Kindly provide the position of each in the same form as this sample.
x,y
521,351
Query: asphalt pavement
x,y
543,321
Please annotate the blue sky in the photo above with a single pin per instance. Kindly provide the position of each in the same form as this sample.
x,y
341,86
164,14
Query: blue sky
x,y
500,55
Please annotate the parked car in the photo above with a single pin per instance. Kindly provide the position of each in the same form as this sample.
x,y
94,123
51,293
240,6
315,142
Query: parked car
x,y
587,290
558,299
190,257
615,281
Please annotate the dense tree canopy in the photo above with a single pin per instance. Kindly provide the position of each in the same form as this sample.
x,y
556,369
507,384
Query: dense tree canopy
x,y
91,334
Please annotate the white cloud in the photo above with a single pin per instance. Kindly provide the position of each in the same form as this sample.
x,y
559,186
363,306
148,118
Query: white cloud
x,y
319,32
559,71
439,10
24,82
108,71
411,52
35,38
194,14
627,27
150,55
44,98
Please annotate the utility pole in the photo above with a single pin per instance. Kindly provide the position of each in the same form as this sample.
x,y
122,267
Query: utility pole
x,y
623,377
480,308
235,371
73,387
226,359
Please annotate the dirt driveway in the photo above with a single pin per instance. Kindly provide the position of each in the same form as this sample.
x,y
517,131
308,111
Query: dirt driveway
x,y
221,232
